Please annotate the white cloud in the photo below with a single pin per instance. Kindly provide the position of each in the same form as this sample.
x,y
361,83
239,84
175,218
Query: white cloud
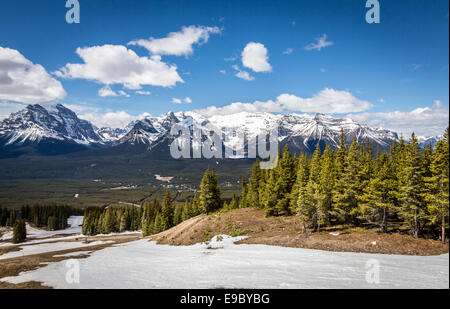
x,y
327,101
288,51
26,82
238,107
178,43
7,108
224,72
187,100
115,64
321,43
108,92
242,74
117,119
254,56
423,121
381,100
143,92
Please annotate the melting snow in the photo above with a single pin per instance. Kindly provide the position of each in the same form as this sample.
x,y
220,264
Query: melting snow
x,y
221,264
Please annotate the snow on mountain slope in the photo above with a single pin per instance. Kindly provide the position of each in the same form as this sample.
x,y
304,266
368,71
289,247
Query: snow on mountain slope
x,y
36,123
429,140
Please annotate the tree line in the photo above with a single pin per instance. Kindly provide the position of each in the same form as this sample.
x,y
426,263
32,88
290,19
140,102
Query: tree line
x,y
351,185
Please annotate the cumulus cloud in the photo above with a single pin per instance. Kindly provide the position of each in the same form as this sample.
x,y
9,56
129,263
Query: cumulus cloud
x,y
176,101
319,44
242,74
431,120
108,92
178,43
238,107
224,72
187,100
254,56
23,81
115,64
116,119
327,101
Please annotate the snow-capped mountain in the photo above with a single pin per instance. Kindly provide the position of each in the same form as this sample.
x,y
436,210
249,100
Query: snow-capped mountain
x,y
302,132
37,124
429,140
112,134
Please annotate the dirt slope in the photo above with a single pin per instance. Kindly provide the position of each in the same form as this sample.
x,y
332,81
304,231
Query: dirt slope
x,y
287,232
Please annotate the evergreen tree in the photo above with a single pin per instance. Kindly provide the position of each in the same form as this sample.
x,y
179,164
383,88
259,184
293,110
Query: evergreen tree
x,y
437,185
346,191
52,224
412,207
254,186
19,232
209,199
167,211
380,196
243,202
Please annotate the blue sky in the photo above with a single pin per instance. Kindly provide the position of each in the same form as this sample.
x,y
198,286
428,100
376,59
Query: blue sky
x,y
392,74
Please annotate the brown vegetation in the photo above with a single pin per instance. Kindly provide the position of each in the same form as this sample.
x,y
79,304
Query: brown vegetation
x,y
288,232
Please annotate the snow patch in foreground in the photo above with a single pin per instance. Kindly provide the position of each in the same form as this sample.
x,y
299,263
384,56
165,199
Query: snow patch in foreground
x,y
221,264
74,223
48,247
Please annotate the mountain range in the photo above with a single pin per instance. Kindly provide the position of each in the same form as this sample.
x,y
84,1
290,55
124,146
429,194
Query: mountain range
x,y
54,129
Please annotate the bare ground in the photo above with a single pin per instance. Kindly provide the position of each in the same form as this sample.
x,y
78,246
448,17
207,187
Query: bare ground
x,y
288,232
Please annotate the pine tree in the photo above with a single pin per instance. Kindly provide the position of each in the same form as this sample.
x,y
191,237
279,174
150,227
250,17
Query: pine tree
x,y
243,202
19,232
186,213
52,224
325,188
209,199
379,198
345,192
177,216
412,207
167,211
437,185
254,186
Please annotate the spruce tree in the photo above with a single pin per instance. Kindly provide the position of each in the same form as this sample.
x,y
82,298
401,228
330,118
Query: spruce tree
x,y
209,199
19,232
243,202
437,186
412,207
254,186
380,196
